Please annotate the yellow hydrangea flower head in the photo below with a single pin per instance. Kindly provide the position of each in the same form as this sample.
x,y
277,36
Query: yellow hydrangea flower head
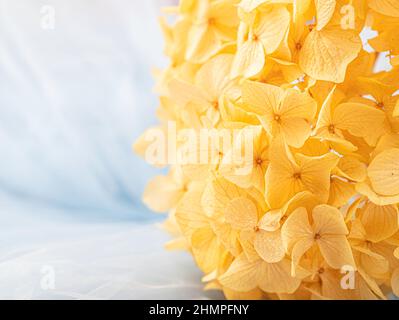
x,y
282,140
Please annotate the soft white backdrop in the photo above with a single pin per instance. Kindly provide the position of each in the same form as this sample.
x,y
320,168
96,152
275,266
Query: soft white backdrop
x,y
72,101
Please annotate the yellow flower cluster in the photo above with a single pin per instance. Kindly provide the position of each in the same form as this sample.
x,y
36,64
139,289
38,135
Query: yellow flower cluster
x,y
316,215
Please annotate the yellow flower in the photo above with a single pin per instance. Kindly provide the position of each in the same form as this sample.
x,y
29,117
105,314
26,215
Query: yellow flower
x,y
164,192
201,101
242,215
288,175
244,275
264,36
365,252
328,232
197,229
328,49
214,25
251,171
380,96
286,112
357,119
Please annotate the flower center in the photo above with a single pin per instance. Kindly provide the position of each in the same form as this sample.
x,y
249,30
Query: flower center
x,y
380,105
298,46
331,129
317,236
211,21
259,161
277,117
297,176
255,37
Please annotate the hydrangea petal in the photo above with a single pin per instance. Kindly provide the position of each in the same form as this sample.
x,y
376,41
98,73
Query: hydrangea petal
x,y
241,213
269,246
384,172
326,54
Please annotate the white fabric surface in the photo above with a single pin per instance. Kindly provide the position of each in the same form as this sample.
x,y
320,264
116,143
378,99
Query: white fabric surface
x,y
72,101
89,260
